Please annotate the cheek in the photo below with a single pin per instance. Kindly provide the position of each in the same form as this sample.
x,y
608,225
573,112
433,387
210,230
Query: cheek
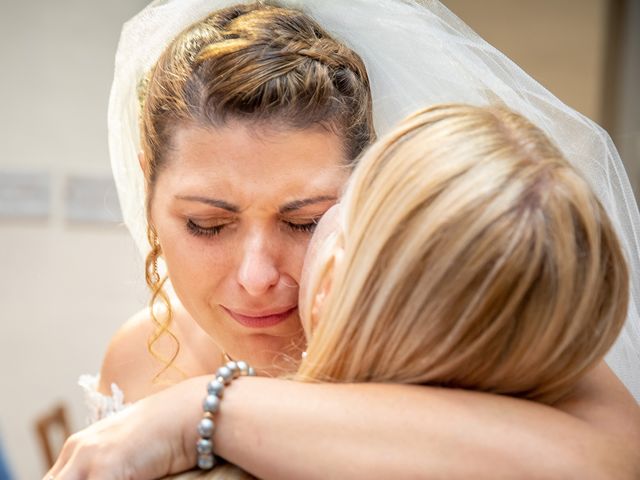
x,y
195,266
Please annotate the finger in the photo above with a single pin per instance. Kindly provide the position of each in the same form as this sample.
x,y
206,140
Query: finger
x,y
71,463
74,469
68,473
53,472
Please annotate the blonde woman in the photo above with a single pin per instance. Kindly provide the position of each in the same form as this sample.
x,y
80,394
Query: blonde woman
x,y
468,253
253,116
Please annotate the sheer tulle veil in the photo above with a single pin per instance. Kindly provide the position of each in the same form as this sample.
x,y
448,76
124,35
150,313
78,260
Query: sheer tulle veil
x,y
416,53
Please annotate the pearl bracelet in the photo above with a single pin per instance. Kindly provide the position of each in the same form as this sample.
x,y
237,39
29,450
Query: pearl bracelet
x,y
211,404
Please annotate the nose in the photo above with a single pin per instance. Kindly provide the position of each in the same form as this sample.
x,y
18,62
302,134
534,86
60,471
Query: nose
x,y
258,271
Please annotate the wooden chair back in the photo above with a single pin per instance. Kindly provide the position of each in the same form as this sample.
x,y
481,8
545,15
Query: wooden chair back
x,y
52,429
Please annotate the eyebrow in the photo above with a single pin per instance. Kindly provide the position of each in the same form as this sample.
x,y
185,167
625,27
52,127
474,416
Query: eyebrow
x,y
286,208
297,204
214,202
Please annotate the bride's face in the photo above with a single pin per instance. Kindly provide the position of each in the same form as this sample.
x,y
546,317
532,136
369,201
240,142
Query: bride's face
x,y
234,209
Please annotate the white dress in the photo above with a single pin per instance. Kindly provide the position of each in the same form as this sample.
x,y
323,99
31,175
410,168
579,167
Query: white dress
x,y
100,405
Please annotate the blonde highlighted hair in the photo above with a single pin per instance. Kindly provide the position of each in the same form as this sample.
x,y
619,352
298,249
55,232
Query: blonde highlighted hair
x,y
474,256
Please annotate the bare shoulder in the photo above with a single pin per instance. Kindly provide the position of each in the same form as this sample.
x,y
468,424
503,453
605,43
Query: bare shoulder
x,y
602,401
134,369
127,362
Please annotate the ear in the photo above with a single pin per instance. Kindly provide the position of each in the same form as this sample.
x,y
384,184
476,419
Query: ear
x,y
142,160
325,287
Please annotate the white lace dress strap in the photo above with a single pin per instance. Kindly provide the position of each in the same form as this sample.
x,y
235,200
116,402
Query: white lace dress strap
x,y
99,405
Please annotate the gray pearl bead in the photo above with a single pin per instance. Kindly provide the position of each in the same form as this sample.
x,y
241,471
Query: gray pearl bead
x,y
233,366
206,428
251,372
215,387
225,374
206,461
243,366
204,446
211,403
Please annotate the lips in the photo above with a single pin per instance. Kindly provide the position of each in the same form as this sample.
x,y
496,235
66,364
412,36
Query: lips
x,y
261,320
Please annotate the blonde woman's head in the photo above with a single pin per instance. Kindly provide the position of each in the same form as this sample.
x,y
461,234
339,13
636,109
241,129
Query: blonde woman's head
x,y
470,254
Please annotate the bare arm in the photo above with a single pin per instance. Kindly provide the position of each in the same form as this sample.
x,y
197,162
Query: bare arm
x,y
291,430
282,429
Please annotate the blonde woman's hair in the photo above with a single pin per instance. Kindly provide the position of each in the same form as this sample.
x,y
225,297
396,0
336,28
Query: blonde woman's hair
x,y
474,256
256,63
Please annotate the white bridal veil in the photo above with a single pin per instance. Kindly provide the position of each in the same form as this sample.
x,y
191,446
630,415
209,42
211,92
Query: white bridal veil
x,y
417,53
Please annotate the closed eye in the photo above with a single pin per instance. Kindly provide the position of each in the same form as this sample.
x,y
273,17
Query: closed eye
x,y
308,227
200,231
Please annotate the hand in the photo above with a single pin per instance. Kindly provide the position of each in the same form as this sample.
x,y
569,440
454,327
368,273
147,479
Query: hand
x,y
145,441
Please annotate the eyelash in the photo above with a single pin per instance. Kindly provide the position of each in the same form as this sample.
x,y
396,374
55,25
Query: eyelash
x,y
303,227
199,231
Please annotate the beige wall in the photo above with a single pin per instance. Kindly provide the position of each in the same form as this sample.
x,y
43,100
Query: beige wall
x,y
63,289
560,43
64,292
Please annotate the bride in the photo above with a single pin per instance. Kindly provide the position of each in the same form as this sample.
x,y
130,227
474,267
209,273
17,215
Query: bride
x,y
262,246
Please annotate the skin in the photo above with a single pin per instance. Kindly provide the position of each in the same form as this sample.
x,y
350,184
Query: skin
x,y
409,431
328,225
431,433
234,209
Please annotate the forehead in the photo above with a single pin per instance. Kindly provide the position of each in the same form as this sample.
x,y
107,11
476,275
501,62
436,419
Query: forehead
x,y
241,156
